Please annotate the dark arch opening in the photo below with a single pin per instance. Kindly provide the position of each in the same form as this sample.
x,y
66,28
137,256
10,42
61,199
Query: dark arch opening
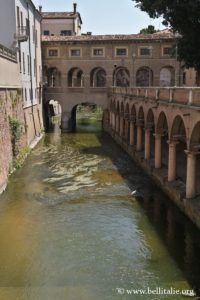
x,y
75,78
52,112
86,117
195,146
150,124
98,77
121,77
144,77
162,128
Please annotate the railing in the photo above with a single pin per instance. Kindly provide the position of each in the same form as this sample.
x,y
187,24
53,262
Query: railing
x,y
179,95
22,34
7,53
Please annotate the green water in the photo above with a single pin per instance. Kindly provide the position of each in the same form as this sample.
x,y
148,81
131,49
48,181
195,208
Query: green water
x,y
70,228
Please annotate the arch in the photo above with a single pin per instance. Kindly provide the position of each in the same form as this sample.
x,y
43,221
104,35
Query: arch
x,y
121,77
75,77
127,109
122,108
141,114
150,118
162,124
52,76
194,146
133,111
194,142
98,77
178,131
178,134
167,76
144,77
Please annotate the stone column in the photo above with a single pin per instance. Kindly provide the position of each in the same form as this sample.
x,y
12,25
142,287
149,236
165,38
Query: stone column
x,y
172,161
117,123
191,175
139,137
121,125
132,133
158,150
147,146
66,122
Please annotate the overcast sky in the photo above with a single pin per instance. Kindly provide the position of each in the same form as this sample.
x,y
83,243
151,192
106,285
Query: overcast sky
x,y
104,16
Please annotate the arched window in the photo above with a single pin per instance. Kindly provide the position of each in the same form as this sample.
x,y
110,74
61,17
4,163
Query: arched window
x,y
167,76
121,77
98,78
75,78
144,77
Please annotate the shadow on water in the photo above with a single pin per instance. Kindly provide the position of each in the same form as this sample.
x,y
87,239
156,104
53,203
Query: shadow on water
x,y
177,233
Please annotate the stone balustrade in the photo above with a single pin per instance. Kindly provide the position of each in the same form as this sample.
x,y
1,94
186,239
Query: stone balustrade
x,y
7,53
179,95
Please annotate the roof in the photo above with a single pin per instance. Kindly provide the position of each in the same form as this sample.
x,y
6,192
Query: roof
x,y
161,35
61,15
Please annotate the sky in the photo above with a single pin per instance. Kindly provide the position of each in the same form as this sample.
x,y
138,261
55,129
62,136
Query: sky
x,y
104,16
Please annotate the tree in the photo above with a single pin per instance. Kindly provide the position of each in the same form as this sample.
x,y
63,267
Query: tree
x,y
149,30
183,17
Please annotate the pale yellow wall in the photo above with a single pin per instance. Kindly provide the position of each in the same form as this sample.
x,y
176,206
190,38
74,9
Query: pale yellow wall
x,y
9,75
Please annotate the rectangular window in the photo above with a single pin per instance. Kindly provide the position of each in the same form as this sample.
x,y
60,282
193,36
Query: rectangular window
x,y
75,52
22,19
145,51
98,52
53,52
66,32
167,51
34,67
23,63
20,60
121,52
28,63
25,95
46,32
18,17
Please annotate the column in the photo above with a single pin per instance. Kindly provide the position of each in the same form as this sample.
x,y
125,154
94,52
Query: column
x,y
117,123
132,132
147,146
172,161
139,137
121,125
191,175
158,151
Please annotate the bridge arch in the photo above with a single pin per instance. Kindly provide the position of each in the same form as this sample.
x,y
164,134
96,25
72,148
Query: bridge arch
x,y
98,77
144,77
75,77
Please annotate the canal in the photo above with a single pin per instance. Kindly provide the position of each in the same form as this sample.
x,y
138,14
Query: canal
x,y
70,228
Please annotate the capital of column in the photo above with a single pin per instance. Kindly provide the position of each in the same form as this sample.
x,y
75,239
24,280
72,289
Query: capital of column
x,y
158,135
173,142
191,152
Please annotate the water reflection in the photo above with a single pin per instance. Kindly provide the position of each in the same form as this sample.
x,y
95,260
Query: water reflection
x,y
70,229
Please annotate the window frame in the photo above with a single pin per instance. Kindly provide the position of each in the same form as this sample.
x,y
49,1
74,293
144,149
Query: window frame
x,y
121,48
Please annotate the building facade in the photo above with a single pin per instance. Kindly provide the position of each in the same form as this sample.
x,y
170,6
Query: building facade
x,y
23,36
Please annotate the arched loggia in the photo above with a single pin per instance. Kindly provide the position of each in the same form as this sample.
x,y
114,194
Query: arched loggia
x,y
127,123
140,130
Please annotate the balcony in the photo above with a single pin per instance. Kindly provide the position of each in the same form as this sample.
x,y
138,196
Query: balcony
x,y
22,34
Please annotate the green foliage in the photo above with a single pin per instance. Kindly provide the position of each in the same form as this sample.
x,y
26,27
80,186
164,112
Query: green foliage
x,y
21,156
183,17
15,131
149,30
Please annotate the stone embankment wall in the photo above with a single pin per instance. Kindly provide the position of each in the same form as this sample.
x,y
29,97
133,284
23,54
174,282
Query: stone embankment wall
x,y
10,109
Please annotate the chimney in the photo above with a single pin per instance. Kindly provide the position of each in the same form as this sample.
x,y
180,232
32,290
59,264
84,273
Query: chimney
x,y
40,8
75,7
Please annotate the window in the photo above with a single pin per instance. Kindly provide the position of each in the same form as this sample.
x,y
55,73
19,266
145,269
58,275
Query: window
x,y
23,63
145,51
20,60
46,32
25,95
66,32
28,62
53,52
167,51
121,51
34,67
18,17
184,77
98,52
75,52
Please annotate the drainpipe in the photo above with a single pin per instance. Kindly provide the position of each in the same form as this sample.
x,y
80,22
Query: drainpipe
x,y
31,75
